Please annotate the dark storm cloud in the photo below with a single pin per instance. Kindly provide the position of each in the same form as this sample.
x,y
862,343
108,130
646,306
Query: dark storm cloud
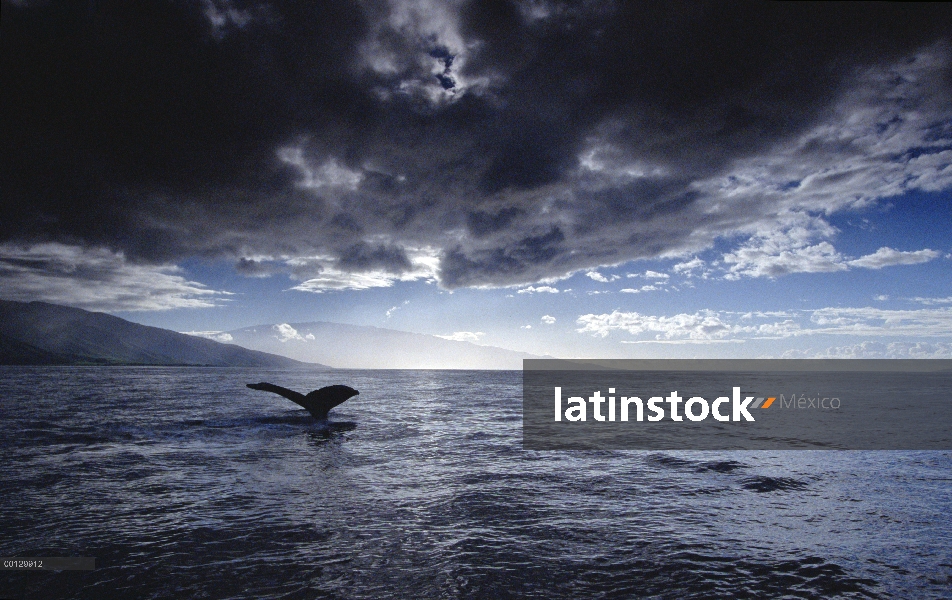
x,y
482,223
527,259
366,257
517,141
253,268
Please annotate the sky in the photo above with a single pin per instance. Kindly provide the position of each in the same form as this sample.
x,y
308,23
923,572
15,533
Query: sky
x,y
604,179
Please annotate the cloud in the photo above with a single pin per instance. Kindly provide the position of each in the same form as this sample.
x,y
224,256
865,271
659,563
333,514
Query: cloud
x,y
596,276
701,341
931,322
218,336
887,257
362,256
518,145
384,268
658,275
526,327
337,281
463,336
97,279
702,325
907,350
255,267
795,248
755,262
644,288
709,325
286,333
538,290
394,309
688,267
932,301
785,250
548,319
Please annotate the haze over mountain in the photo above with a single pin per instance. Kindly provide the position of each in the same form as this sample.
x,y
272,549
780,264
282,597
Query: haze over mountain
x,y
42,333
362,347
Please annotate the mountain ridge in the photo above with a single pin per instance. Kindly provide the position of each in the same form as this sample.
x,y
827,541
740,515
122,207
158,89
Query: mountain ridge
x,y
342,345
41,333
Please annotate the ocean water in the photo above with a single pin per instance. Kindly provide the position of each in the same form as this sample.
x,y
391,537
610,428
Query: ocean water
x,y
181,482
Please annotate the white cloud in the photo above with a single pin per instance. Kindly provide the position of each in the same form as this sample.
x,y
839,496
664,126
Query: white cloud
x,y
538,290
765,314
463,336
97,279
218,336
339,280
526,327
685,342
711,325
702,325
688,268
880,322
932,301
797,248
393,309
596,276
789,249
548,319
656,275
887,257
286,333
756,262
322,274
644,288
881,297
916,350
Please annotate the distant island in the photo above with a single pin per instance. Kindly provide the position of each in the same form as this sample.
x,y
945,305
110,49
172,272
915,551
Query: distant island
x,y
39,333
365,347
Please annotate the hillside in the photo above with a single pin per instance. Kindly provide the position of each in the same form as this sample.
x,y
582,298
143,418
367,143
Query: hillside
x,y
364,347
38,333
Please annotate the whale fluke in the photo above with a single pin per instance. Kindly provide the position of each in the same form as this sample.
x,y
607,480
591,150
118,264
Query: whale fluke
x,y
318,402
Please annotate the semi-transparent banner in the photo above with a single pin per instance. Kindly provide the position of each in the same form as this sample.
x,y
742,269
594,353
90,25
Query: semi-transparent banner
x,y
737,404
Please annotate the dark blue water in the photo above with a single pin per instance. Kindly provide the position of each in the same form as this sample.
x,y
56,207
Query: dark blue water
x,y
183,483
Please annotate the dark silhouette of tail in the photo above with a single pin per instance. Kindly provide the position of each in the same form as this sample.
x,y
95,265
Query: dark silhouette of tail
x,y
318,403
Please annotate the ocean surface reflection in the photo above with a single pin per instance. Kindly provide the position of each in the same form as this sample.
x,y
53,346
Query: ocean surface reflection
x,y
183,483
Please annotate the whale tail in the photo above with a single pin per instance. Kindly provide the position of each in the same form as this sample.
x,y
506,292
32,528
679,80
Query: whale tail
x,y
318,403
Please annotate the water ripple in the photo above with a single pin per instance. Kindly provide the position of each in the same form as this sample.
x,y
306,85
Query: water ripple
x,y
183,483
